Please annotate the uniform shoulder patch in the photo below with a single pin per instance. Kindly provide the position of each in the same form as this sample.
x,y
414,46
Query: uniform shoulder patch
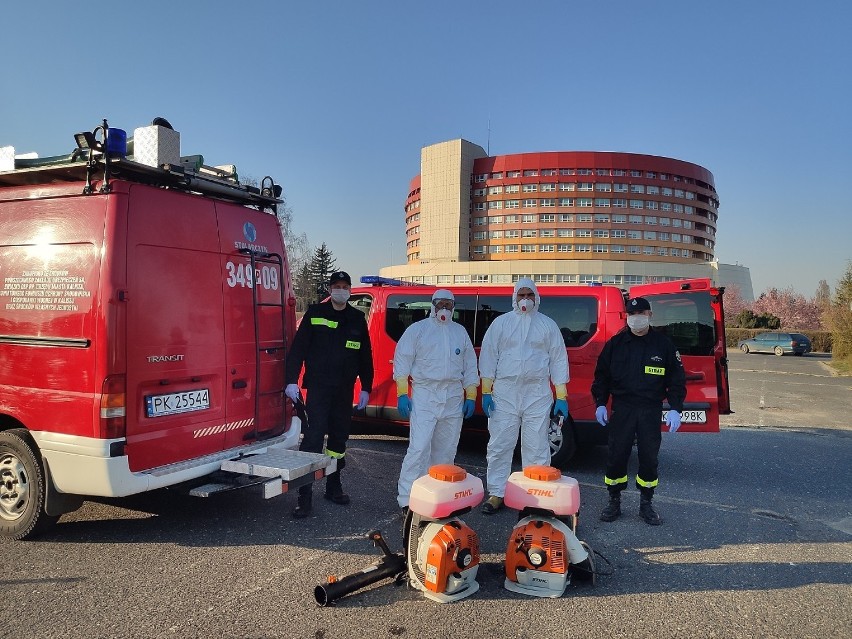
x,y
677,355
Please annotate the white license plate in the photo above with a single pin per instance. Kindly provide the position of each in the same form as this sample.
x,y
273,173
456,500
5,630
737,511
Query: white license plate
x,y
690,417
174,403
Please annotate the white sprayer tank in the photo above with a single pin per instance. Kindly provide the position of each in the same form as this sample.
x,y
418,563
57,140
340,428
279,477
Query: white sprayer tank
x,y
447,489
543,487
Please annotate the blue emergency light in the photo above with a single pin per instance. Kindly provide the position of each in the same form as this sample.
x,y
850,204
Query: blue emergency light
x,y
378,280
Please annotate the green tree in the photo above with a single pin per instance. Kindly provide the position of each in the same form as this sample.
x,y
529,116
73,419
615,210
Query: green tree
x,y
767,320
838,316
745,319
322,265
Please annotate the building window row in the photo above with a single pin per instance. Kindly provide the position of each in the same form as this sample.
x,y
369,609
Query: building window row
x,y
583,279
634,173
661,251
586,202
631,234
647,220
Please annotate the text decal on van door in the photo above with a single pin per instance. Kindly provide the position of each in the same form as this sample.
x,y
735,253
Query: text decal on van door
x,y
241,275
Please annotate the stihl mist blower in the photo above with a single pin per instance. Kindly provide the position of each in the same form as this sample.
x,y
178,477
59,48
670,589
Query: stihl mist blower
x,y
442,551
543,551
391,566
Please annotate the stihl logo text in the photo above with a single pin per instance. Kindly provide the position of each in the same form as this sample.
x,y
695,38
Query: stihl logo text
x,y
538,492
464,493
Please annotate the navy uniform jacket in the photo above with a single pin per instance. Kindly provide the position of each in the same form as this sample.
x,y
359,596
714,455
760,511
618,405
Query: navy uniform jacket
x,y
639,371
334,346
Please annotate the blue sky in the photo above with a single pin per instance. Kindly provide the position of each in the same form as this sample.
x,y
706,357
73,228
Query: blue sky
x,y
335,99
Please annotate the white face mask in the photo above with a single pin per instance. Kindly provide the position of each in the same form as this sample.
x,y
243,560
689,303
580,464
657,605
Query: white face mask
x,y
638,323
526,305
340,295
444,315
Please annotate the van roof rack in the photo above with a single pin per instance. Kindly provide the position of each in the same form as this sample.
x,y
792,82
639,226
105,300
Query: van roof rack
x,y
113,160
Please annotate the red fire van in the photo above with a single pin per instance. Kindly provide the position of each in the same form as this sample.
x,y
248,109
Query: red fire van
x,y
690,312
145,309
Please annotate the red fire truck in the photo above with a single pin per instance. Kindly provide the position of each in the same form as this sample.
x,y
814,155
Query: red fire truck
x,y
690,312
145,311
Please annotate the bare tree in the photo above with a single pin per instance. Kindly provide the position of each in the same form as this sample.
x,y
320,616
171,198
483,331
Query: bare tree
x,y
296,245
823,295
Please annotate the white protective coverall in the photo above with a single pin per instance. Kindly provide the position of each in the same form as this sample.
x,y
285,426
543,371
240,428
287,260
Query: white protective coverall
x,y
522,352
440,359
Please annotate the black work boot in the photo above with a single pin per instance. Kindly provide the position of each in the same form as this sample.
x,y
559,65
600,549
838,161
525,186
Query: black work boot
x,y
613,508
334,489
647,512
304,504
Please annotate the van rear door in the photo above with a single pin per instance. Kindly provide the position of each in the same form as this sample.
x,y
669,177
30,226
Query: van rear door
x,y
175,349
691,313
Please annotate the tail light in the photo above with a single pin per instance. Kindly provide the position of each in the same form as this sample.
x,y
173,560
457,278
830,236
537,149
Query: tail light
x,y
113,422
794,343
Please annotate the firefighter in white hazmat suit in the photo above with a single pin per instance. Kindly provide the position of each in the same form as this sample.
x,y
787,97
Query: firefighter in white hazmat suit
x,y
438,355
522,353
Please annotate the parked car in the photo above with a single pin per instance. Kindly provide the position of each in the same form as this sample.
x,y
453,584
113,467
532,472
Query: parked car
x,y
778,343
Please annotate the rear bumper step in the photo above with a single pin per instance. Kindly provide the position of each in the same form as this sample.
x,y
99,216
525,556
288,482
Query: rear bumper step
x,y
276,471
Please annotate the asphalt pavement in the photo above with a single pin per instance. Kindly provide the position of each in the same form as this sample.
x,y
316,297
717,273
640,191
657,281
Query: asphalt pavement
x,y
756,542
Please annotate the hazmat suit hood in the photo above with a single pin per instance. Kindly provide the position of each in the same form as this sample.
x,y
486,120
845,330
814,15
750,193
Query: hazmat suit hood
x,y
441,294
525,282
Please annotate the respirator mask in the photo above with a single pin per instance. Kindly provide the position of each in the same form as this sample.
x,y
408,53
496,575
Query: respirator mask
x,y
638,323
340,295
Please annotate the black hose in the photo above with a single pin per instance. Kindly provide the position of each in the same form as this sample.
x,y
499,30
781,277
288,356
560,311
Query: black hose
x,y
387,567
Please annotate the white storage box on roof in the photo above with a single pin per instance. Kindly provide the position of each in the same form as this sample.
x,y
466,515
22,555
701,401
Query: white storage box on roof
x,y
7,158
156,145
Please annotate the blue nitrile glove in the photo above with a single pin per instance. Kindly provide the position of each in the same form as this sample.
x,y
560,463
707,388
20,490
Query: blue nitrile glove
x,y
487,404
468,408
561,408
601,416
673,420
403,405
363,398
292,391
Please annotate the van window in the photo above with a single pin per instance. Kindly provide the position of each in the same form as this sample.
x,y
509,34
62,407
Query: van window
x,y
362,302
687,319
404,310
576,317
489,308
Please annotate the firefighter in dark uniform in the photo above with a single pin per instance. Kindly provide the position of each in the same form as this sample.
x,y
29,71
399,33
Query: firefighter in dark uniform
x,y
334,346
638,367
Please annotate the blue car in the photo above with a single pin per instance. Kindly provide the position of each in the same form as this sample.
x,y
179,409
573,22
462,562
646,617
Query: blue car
x,y
778,343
